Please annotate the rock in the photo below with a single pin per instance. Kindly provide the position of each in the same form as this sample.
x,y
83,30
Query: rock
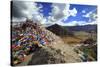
x,y
48,56
52,52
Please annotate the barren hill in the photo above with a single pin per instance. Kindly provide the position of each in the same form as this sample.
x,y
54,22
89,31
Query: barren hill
x,y
53,52
60,30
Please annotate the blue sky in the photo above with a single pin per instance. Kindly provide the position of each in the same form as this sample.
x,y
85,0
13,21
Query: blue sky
x,y
60,13
80,8
83,12
46,9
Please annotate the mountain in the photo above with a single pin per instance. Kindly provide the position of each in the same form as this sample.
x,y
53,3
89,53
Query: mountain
x,y
86,28
59,30
49,50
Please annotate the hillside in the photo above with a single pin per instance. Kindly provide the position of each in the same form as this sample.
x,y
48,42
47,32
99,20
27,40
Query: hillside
x,y
74,34
86,28
32,43
59,30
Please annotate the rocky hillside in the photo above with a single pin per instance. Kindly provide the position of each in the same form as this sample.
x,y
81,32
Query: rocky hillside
x,y
57,29
60,30
86,28
30,38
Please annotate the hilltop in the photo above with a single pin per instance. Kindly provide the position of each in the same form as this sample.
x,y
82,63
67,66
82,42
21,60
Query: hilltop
x,y
59,30
51,50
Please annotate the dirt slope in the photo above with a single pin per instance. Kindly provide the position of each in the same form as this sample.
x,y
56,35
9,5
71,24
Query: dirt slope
x,y
55,52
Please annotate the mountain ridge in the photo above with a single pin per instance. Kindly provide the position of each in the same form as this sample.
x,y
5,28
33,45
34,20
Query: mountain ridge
x,y
56,47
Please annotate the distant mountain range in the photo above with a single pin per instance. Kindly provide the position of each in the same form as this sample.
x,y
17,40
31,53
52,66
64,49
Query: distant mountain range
x,y
68,30
86,28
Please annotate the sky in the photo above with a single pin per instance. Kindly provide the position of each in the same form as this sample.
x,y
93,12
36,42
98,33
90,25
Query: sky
x,y
54,13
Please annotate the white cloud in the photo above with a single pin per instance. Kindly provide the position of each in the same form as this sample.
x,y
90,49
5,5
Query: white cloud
x,y
36,15
50,18
61,11
55,10
90,14
58,13
87,15
28,10
74,23
83,11
73,12
31,9
40,6
43,21
23,9
18,20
